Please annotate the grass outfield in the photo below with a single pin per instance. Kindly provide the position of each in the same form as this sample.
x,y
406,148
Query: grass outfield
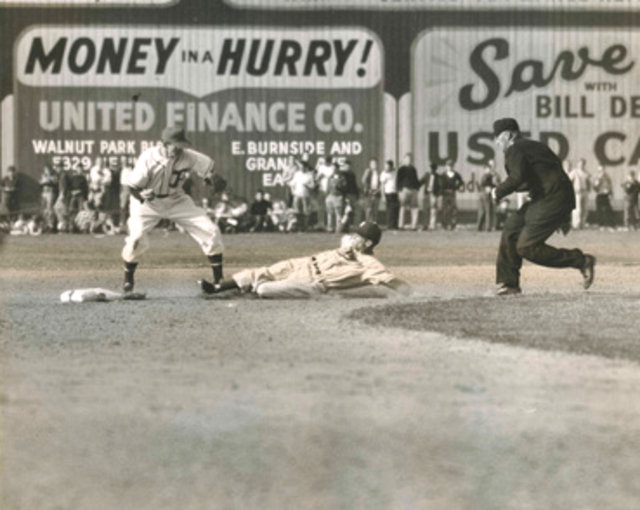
x,y
590,323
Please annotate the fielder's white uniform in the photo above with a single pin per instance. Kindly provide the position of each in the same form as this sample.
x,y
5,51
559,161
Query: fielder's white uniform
x,y
165,176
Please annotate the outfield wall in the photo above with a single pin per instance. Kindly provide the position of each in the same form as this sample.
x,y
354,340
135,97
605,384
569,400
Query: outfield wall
x,y
257,81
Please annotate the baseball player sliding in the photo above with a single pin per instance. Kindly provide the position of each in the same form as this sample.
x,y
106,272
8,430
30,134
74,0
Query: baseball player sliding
x,y
350,270
156,185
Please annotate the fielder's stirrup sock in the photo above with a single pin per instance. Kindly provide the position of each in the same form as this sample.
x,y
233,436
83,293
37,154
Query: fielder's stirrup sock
x,y
216,266
129,271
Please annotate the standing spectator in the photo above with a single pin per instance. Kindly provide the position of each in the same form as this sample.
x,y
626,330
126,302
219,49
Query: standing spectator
x,y
604,190
435,190
61,208
566,166
10,192
486,207
48,194
336,187
350,212
581,186
371,191
408,185
631,188
302,184
431,188
323,171
259,213
450,182
78,192
388,183
99,183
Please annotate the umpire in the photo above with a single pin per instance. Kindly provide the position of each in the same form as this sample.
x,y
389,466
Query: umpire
x,y
531,166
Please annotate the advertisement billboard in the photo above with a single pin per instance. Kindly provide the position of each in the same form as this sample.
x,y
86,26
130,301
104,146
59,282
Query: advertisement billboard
x,y
575,89
249,97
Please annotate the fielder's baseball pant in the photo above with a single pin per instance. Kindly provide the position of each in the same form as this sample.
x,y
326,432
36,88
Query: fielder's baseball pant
x,y
143,217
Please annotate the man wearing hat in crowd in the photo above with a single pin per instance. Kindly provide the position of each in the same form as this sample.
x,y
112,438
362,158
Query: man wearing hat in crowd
x,y
156,189
350,271
531,166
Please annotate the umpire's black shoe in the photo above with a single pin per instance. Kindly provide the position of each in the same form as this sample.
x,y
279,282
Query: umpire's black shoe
x,y
127,287
207,287
505,290
588,270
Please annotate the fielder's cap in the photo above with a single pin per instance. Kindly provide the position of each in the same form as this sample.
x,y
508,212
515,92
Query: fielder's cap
x,y
371,231
507,124
175,136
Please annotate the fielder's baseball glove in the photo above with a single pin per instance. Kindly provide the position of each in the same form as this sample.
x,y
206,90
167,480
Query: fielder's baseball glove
x,y
218,183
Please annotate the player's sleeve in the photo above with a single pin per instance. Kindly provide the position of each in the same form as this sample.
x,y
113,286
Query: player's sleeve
x,y
138,178
375,273
201,164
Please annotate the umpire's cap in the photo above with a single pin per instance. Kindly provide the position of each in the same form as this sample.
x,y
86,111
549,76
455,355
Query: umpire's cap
x,y
175,136
370,231
507,124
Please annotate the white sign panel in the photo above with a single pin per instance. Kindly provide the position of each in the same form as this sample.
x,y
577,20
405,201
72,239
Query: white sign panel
x,y
198,61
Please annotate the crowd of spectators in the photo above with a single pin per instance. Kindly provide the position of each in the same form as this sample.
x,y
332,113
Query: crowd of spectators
x,y
601,186
325,196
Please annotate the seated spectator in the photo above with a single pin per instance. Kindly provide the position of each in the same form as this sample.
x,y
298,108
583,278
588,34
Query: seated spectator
x,y
85,219
279,215
259,213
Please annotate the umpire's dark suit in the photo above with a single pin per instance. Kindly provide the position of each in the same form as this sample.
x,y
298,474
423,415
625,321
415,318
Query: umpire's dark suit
x,y
531,166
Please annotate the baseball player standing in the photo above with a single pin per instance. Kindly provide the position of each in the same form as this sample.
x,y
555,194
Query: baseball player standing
x,y
531,166
156,187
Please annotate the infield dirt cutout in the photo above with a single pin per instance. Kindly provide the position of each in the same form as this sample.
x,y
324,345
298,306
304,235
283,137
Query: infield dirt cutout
x,y
179,402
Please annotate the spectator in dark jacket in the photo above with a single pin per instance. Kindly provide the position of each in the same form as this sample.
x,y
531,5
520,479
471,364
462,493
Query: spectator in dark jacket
x,y
351,196
450,182
408,185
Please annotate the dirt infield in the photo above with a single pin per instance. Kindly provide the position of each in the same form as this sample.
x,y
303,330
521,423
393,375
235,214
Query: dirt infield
x,y
182,403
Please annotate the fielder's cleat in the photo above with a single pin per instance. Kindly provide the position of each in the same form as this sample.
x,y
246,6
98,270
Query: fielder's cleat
x,y
127,287
505,290
207,287
588,270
